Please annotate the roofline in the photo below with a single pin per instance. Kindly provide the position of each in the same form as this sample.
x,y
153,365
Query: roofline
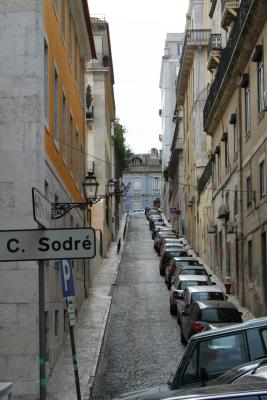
x,y
89,27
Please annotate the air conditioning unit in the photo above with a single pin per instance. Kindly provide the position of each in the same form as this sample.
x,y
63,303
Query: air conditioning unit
x,y
231,227
212,227
223,213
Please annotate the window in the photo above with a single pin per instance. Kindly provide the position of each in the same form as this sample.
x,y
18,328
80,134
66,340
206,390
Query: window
x,y
262,179
56,322
249,191
64,127
235,138
71,143
137,186
55,3
250,259
76,59
218,167
247,109
179,49
264,261
56,107
260,85
235,202
46,81
228,259
63,19
70,39
226,153
137,161
155,186
77,158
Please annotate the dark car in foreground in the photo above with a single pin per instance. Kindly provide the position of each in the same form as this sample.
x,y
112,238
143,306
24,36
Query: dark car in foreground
x,y
207,356
207,314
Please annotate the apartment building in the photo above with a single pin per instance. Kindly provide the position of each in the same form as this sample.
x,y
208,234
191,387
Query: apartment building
x,y
168,80
235,119
192,87
43,49
100,119
144,177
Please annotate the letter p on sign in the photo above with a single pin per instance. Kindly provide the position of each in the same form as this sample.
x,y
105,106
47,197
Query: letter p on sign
x,y
67,278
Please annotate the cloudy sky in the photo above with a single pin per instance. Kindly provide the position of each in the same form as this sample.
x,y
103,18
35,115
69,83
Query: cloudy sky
x,y
138,30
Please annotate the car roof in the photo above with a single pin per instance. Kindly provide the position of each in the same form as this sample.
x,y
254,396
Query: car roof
x,y
208,288
185,259
252,323
219,391
203,304
193,278
188,267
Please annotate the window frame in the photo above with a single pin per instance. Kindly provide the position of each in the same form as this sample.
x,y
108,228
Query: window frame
x,y
71,133
262,178
56,107
260,83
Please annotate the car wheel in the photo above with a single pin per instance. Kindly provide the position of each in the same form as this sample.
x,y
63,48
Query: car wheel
x,y
183,341
169,285
178,319
161,271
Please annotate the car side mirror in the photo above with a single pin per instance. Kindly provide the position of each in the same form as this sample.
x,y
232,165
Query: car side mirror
x,y
210,275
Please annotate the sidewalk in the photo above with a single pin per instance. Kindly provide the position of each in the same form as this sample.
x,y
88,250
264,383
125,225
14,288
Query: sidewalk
x,y
89,332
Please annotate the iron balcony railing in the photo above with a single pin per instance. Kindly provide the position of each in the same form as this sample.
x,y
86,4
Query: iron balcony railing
x,y
226,57
197,36
214,42
205,177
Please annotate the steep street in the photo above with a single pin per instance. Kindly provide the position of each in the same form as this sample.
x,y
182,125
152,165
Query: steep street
x,y
142,341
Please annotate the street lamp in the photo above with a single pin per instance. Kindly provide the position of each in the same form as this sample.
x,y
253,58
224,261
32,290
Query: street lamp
x,y
90,187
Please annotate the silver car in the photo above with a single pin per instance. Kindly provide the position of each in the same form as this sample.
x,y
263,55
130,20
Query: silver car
x,y
180,283
194,293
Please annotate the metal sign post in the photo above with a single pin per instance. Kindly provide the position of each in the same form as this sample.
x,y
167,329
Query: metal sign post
x,y
69,294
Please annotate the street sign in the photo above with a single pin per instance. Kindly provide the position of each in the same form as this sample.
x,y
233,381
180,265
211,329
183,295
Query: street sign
x,y
41,209
71,312
47,244
67,281
173,210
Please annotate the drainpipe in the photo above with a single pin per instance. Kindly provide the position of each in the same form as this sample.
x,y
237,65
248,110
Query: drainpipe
x,y
241,203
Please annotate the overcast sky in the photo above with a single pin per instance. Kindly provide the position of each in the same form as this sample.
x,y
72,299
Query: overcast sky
x,y
138,31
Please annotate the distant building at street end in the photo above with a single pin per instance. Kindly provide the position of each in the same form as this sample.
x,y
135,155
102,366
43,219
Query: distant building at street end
x,y
145,176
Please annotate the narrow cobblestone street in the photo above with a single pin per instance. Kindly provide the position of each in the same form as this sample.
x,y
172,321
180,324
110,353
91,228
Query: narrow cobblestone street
x,y
142,341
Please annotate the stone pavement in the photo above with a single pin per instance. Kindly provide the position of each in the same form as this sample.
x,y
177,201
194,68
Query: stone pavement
x,y
89,331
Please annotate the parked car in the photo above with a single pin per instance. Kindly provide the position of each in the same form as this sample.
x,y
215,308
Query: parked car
x,y
244,391
153,212
153,221
180,283
159,236
228,347
161,228
194,293
148,209
172,243
167,240
166,257
137,211
207,314
177,262
5,391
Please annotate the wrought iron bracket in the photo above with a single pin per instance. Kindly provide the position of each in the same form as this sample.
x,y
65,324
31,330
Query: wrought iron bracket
x,y
60,209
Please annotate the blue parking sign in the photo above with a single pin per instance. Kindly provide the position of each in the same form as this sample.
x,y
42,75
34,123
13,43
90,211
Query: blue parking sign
x,y
67,278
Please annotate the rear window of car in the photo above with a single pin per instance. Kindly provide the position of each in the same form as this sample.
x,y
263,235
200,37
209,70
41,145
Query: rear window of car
x,y
193,272
220,315
185,284
207,296
186,262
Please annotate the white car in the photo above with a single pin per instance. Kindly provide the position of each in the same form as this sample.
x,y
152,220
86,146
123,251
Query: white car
x,y
179,285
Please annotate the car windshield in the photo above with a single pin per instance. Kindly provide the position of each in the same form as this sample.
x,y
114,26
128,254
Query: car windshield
x,y
185,284
186,262
207,296
193,272
220,315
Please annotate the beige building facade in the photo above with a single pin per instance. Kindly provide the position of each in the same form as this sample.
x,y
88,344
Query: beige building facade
x,y
235,118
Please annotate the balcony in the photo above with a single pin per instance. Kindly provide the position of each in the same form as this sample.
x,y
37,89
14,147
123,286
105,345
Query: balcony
x,y
248,24
205,177
193,39
214,51
229,12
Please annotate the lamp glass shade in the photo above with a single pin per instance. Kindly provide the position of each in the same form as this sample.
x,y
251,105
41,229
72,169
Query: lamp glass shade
x,y
90,186
111,187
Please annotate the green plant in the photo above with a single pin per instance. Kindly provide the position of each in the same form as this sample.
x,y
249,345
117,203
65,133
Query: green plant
x,y
124,154
166,174
88,97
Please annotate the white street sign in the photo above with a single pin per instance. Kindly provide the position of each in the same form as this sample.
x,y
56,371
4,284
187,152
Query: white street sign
x,y
41,209
47,244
